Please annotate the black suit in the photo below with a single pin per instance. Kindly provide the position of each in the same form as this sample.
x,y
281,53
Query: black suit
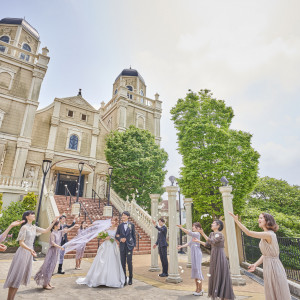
x,y
126,248
162,247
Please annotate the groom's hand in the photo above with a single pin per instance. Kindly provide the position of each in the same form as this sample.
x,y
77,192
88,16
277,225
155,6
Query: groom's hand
x,y
123,240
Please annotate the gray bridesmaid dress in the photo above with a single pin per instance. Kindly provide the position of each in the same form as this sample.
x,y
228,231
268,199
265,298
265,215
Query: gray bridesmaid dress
x,y
21,265
43,276
219,283
196,256
275,280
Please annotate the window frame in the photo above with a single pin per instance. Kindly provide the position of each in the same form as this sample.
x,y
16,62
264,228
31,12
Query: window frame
x,y
77,145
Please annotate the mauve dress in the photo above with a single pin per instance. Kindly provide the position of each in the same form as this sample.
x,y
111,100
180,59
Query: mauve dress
x,y
196,255
275,280
80,249
1,238
219,282
43,276
21,265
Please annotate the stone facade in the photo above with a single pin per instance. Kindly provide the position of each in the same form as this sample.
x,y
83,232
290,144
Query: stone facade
x,y
67,131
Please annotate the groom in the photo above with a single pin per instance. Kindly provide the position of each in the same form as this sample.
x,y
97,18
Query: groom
x,y
126,236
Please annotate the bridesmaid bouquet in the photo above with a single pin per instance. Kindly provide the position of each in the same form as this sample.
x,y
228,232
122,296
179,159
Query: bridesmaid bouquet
x,y
103,235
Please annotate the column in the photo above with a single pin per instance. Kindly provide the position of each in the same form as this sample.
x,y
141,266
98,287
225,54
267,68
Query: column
x,y
95,133
174,276
189,223
89,185
154,215
236,277
122,115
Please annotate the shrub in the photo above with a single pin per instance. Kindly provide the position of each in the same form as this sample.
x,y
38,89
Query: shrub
x,y
29,201
1,202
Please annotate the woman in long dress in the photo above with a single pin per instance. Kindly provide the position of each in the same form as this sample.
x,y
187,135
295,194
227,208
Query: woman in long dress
x,y
196,256
43,276
80,249
106,268
5,233
275,280
21,266
219,282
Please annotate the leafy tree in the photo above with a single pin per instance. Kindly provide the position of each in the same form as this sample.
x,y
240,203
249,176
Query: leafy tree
x,y
138,164
210,150
276,194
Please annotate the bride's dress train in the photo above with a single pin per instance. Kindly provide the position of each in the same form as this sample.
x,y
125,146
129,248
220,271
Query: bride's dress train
x,y
106,268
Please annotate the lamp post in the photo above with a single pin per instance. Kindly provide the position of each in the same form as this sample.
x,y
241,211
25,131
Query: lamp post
x,y
110,171
180,231
45,168
80,168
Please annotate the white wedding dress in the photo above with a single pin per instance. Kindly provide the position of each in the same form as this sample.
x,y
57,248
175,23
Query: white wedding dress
x,y
106,268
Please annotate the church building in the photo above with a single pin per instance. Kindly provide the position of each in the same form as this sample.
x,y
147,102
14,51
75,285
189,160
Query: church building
x,y
69,130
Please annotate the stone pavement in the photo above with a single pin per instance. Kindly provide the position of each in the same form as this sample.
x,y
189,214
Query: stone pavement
x,y
147,285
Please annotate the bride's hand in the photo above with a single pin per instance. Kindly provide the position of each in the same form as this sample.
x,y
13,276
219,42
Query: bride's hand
x,y
107,238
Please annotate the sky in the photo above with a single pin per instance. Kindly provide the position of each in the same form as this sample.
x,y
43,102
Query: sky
x,y
246,52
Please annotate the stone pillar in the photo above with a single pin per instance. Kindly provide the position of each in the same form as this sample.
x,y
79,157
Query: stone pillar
x,y
174,276
89,185
236,277
154,215
189,223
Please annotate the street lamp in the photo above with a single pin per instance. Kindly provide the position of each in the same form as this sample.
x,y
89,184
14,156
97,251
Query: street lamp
x,y
172,179
179,202
110,171
45,168
80,168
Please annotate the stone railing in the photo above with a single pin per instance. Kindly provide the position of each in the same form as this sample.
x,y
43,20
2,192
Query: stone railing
x,y
22,183
140,216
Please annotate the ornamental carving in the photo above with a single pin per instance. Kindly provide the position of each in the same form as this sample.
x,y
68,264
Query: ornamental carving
x,y
6,31
54,121
38,74
28,39
95,131
23,144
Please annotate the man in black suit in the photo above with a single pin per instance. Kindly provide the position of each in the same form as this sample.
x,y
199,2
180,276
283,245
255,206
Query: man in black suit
x,y
64,239
162,245
126,236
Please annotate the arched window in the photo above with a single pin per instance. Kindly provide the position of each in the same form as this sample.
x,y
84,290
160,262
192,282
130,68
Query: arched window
x,y
116,90
26,47
25,56
142,94
4,39
129,87
73,143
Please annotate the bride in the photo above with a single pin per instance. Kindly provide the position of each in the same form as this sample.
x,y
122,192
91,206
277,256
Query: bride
x,y
106,268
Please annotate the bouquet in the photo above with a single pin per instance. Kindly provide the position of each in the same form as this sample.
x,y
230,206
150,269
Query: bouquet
x,y
103,235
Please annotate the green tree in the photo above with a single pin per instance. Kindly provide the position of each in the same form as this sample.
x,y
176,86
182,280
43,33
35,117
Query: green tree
x,y
138,164
210,150
275,194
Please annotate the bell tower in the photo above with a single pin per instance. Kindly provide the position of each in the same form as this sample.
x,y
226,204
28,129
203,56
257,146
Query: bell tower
x,y
131,106
22,70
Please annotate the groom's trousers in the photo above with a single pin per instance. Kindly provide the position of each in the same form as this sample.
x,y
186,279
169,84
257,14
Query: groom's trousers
x,y
126,254
163,254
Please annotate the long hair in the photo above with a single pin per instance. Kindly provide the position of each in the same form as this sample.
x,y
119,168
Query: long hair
x,y
82,224
116,219
197,225
55,224
26,214
220,223
270,222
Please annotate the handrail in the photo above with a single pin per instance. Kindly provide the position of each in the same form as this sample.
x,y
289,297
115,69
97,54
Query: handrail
x,y
86,214
94,193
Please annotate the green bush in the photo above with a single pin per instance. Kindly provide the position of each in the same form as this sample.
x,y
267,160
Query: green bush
x,y
29,201
15,212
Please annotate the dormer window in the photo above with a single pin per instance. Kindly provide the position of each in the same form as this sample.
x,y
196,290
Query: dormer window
x,y
70,113
23,55
4,39
116,90
142,94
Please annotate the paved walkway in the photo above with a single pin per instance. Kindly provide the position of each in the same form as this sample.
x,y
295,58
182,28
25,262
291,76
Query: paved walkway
x,y
147,285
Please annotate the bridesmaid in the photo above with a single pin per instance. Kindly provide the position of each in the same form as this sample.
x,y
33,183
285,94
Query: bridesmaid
x,y
43,276
21,265
196,256
219,282
81,247
5,233
275,280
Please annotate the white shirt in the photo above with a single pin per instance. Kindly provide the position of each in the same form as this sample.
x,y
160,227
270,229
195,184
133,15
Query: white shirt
x,y
125,226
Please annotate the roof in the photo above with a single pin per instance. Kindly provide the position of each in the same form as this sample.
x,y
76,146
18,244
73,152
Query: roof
x,y
23,22
131,72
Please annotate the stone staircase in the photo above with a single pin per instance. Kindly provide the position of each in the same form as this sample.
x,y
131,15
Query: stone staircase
x,y
143,241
